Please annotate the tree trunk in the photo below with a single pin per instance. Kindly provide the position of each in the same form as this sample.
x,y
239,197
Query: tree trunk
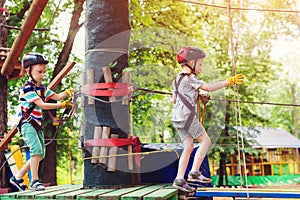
x,y
48,167
107,41
3,99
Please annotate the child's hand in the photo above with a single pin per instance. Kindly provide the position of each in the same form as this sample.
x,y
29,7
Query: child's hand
x,y
67,104
237,79
69,92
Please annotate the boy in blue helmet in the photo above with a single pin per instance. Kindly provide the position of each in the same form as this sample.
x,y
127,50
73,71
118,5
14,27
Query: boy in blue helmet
x,y
33,99
185,116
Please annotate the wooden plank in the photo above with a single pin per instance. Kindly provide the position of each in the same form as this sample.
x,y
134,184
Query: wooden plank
x,y
112,152
14,195
93,195
96,150
243,192
116,194
139,194
52,194
33,16
90,74
108,79
51,86
251,194
65,70
163,194
73,194
103,150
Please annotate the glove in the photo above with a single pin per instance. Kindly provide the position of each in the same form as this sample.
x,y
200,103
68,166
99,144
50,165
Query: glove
x,y
67,104
237,79
69,92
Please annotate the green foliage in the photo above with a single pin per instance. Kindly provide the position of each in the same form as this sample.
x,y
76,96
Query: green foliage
x,y
159,29
50,44
165,26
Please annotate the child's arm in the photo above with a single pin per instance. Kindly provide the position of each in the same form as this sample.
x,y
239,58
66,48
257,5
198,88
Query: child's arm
x,y
49,106
59,96
62,95
237,79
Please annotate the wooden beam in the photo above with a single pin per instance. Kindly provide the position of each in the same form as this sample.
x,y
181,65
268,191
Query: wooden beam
x,y
51,86
28,25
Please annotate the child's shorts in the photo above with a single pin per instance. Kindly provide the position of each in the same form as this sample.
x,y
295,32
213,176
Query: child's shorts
x,y
34,140
195,130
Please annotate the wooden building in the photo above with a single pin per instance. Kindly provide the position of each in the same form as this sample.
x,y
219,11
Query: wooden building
x,y
280,154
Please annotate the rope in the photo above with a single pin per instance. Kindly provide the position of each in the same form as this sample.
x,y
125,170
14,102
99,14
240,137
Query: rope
x,y
239,8
140,153
237,104
17,28
110,50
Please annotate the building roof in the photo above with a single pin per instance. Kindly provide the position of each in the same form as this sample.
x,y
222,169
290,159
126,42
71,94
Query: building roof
x,y
270,138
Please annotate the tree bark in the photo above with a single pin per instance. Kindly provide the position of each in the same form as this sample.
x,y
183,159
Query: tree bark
x,y
107,41
3,99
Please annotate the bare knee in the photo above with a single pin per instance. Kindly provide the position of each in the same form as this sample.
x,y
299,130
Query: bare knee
x,y
188,145
204,138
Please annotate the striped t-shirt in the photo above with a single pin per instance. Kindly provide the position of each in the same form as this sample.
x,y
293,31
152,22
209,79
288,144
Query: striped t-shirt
x,y
29,94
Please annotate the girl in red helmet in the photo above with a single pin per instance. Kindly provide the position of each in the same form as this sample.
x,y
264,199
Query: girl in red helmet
x,y
184,114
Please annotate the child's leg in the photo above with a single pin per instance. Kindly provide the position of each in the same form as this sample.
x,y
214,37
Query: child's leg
x,y
34,166
204,142
23,170
188,147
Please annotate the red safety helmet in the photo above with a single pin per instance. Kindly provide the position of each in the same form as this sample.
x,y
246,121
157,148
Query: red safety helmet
x,y
188,53
33,58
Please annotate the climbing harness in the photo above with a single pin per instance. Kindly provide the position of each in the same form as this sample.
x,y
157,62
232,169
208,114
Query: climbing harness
x,y
185,101
26,117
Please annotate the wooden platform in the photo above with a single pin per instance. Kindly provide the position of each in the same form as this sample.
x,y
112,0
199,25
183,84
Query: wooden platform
x,y
65,192
148,192
245,193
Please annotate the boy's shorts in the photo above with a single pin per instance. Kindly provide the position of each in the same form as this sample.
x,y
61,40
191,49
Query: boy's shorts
x,y
195,130
34,140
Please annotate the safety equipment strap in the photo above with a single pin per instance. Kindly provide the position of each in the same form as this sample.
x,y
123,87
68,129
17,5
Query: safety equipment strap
x,y
185,101
26,115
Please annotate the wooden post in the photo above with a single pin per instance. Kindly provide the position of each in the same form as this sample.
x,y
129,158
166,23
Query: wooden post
x,y
34,13
81,102
103,150
96,150
112,160
126,78
108,78
90,79
130,157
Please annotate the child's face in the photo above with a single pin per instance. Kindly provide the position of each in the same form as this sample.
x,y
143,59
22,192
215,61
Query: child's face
x,y
198,67
38,72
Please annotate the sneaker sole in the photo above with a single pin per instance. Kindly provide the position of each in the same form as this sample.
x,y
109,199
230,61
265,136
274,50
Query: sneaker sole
x,y
16,185
181,188
37,189
197,180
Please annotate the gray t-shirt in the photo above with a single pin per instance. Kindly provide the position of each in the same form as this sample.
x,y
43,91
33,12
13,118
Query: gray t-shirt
x,y
189,88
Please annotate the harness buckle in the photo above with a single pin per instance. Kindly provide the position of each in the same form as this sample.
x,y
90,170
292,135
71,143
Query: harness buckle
x,y
28,119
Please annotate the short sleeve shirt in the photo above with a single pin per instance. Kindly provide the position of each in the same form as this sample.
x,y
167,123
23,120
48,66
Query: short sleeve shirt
x,y
189,88
29,94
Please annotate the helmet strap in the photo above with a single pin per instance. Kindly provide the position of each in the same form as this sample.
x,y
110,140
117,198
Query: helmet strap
x,y
192,68
33,80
